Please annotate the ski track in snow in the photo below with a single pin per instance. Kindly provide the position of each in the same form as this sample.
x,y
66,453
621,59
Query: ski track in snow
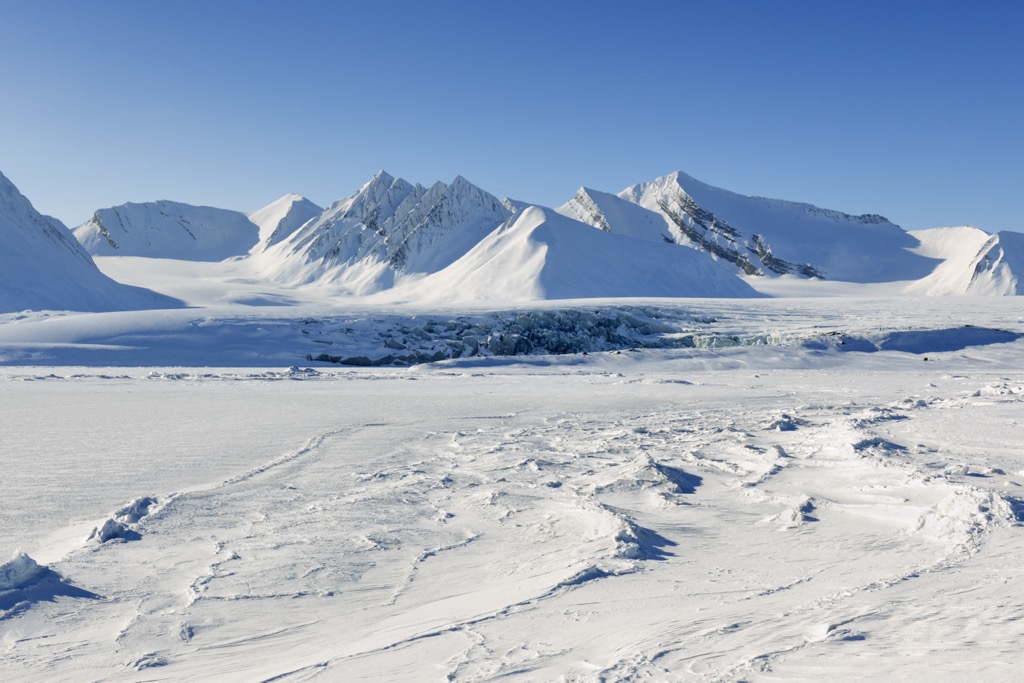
x,y
711,525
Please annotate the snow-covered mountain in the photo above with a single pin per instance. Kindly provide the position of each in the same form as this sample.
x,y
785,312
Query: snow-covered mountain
x,y
392,233
541,254
767,236
43,267
281,218
390,229
972,262
166,229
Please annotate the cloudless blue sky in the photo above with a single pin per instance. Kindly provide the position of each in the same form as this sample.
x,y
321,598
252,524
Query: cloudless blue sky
x,y
911,109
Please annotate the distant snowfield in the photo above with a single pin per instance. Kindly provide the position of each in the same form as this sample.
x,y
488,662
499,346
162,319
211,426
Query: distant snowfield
x,y
773,489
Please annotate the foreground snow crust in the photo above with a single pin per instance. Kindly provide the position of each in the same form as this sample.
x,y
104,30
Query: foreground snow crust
x,y
811,500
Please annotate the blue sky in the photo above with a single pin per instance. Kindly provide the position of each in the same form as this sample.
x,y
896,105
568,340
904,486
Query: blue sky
x,y
914,110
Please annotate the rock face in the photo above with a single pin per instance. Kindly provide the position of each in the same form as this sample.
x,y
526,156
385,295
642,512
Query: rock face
x,y
43,267
166,229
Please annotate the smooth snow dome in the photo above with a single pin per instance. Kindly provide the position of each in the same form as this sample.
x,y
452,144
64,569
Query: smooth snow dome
x,y
43,267
166,229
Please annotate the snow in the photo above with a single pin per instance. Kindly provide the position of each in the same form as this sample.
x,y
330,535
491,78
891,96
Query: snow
x,y
394,238
18,572
388,231
281,218
787,510
834,245
544,255
166,229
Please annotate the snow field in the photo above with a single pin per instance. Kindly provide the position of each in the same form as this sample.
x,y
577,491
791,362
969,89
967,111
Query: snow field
x,y
754,512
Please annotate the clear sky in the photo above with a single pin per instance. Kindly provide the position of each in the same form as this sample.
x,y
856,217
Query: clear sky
x,y
914,110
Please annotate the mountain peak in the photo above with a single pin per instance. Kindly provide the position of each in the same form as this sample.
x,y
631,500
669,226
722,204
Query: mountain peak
x,y
42,266
281,218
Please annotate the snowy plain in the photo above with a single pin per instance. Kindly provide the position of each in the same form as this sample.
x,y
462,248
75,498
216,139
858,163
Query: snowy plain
x,y
269,484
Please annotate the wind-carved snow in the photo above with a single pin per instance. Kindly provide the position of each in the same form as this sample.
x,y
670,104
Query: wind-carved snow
x,y
602,526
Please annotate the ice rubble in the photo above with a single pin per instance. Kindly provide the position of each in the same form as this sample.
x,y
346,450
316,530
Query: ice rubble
x,y
20,571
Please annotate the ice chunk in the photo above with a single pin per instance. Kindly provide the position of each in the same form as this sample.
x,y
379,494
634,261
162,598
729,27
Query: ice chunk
x,y
20,571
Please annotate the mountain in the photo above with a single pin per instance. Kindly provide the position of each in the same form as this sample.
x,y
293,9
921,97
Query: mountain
x,y
972,262
281,218
43,267
614,214
391,233
541,254
762,236
390,229
166,229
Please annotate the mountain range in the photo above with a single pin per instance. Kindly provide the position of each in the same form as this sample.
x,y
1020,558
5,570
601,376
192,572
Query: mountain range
x,y
454,242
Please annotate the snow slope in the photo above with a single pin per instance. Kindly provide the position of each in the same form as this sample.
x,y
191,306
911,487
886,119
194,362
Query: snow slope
x,y
766,236
999,265
541,254
281,218
613,214
166,229
973,262
43,267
